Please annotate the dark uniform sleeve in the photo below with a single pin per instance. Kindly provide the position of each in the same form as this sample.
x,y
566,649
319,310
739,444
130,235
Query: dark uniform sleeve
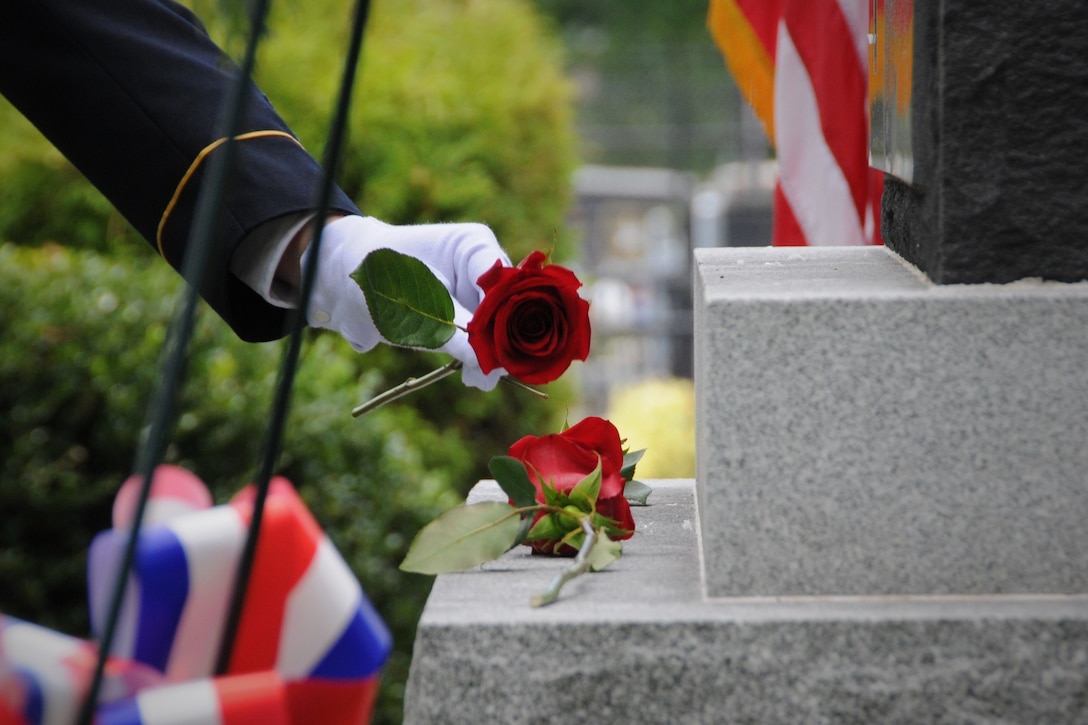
x,y
130,91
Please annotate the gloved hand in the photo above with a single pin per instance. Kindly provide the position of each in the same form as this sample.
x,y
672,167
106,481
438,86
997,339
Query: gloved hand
x,y
457,253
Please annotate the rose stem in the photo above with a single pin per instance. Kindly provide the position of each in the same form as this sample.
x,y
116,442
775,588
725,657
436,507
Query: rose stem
x,y
580,566
517,383
412,384
408,386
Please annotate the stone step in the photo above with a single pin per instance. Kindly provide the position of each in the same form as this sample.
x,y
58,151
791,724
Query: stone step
x,y
862,431
641,643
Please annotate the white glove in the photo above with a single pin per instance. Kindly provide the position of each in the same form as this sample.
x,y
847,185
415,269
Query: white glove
x,y
457,253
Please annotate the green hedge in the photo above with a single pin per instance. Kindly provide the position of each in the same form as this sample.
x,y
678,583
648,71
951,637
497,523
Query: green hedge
x,y
461,110
461,113
78,361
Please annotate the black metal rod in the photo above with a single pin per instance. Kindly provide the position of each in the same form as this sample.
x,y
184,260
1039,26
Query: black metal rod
x,y
281,405
173,359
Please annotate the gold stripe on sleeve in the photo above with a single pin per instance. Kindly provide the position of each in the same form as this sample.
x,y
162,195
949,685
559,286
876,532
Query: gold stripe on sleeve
x,y
196,164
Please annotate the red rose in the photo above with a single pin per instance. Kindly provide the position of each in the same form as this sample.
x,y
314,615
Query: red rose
x,y
531,321
564,459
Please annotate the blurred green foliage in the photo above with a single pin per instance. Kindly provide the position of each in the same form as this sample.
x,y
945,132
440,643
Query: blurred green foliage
x,y
461,113
43,198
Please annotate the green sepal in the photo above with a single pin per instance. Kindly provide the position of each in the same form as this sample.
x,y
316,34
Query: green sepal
x,y
462,538
552,496
637,492
609,526
407,303
573,539
545,528
584,494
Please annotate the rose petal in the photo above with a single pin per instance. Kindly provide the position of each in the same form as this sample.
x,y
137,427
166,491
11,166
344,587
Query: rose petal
x,y
617,509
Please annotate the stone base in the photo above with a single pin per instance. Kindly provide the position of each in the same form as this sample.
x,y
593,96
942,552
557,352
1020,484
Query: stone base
x,y
639,643
862,431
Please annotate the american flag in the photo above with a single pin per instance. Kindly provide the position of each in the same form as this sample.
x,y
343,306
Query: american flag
x,y
803,67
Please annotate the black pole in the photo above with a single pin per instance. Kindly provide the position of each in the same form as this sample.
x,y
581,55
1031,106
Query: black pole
x,y
281,403
160,409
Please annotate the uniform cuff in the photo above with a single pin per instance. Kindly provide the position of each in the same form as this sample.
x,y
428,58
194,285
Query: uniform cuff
x,y
259,253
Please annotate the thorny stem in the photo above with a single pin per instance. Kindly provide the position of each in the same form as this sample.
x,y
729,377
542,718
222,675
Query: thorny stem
x,y
580,565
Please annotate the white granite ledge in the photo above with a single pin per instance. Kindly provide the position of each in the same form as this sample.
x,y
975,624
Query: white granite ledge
x,y
641,643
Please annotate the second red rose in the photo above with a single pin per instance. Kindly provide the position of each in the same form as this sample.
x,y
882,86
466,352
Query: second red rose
x,y
564,459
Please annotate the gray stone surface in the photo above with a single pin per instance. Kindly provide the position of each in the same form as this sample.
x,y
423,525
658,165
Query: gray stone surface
x,y
639,643
999,116
862,431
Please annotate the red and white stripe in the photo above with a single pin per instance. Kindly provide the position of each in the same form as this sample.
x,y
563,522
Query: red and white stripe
x,y
821,124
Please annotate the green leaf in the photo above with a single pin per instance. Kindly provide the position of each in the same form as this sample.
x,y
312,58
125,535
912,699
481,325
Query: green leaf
x,y
637,492
408,304
588,489
463,537
629,460
604,552
512,477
